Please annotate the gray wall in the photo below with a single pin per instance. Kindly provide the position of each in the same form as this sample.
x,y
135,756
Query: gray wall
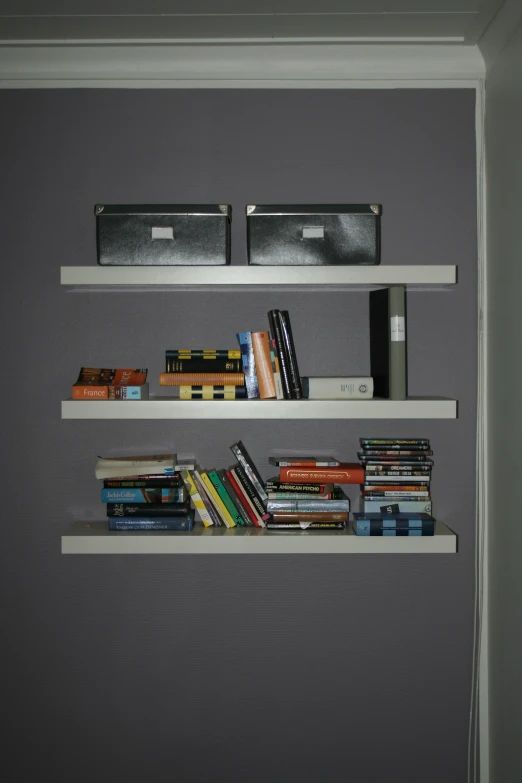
x,y
504,175
302,667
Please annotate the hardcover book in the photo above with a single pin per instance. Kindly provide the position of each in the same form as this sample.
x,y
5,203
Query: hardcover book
x,y
281,352
241,454
202,378
288,342
212,392
337,388
207,500
144,481
393,524
234,496
225,497
217,501
95,383
388,342
119,467
345,473
304,462
310,516
245,500
306,525
380,506
144,495
203,353
202,364
147,509
249,364
110,392
274,485
250,492
277,506
161,523
263,364
199,505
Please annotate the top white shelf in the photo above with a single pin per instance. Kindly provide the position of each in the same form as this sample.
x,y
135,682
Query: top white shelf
x,y
223,277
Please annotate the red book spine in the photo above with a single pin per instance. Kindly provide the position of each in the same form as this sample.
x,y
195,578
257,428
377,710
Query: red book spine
x,y
345,473
241,497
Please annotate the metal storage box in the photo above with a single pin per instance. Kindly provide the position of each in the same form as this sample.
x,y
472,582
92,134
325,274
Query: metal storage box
x,y
314,235
163,234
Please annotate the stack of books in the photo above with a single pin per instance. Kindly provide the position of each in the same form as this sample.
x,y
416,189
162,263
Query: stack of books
x,y
98,383
205,374
397,474
396,491
145,493
304,496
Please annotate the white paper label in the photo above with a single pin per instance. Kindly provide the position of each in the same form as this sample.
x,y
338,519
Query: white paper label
x,y
397,329
162,232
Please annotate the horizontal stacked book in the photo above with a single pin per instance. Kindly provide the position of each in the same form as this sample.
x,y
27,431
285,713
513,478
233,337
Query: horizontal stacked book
x,y
145,493
396,490
304,496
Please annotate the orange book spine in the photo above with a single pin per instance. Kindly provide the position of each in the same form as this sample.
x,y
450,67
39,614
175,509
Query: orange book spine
x,y
264,370
202,379
90,392
345,473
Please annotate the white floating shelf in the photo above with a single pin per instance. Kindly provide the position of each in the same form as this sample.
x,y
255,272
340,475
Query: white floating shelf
x,y
158,277
174,408
93,538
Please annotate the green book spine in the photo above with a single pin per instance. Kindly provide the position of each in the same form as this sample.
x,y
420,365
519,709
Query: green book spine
x,y
225,497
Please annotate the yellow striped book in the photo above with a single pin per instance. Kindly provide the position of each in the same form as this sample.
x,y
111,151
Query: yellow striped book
x,y
196,498
223,512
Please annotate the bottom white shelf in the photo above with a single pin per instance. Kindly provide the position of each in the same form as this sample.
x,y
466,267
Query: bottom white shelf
x,y
93,538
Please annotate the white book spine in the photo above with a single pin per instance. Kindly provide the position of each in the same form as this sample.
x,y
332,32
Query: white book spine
x,y
337,388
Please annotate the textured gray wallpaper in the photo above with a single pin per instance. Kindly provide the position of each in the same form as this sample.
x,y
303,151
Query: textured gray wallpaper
x,y
196,668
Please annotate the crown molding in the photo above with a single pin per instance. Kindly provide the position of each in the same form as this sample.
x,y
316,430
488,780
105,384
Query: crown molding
x,y
504,26
271,65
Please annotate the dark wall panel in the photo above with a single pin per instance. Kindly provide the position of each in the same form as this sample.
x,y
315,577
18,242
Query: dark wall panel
x,y
198,667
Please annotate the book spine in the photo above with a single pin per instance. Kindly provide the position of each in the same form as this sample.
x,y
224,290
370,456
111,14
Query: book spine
x,y
111,392
203,364
337,388
379,527
218,503
307,526
391,487
374,471
297,496
203,353
196,499
295,463
298,488
163,482
275,506
383,481
247,492
248,465
216,519
234,497
338,475
250,491
203,378
147,509
388,342
249,365
397,506
212,392
398,442
225,497
394,453
263,363
311,516
286,331
275,369
143,495
282,354
136,523
405,463
387,496
243,499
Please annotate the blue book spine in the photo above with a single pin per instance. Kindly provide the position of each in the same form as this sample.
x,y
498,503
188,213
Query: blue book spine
x,y
249,365
148,523
144,495
394,527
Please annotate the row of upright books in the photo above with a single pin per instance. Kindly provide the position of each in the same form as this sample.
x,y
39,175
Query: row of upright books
x,y
161,493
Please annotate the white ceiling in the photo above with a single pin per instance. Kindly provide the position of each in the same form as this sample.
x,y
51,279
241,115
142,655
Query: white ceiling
x,y
368,21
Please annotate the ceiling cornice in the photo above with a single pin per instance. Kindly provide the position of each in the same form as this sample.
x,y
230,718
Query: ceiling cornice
x,y
193,66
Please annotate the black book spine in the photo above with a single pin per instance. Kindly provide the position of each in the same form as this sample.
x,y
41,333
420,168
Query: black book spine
x,y
248,465
147,509
284,370
175,364
249,489
160,482
286,329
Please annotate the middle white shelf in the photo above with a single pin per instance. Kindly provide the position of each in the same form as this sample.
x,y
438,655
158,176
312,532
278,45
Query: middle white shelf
x,y
174,408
